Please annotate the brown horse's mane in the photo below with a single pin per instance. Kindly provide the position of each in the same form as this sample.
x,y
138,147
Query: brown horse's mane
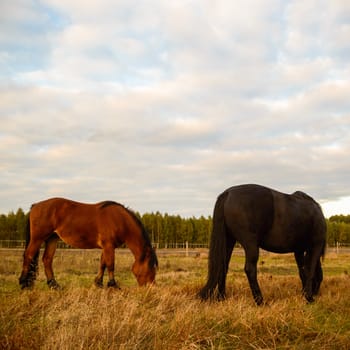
x,y
105,204
153,261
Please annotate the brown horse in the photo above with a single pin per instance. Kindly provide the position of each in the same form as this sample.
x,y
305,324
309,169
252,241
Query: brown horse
x,y
106,225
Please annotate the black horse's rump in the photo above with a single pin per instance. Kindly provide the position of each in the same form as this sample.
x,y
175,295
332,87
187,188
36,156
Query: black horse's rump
x,y
259,217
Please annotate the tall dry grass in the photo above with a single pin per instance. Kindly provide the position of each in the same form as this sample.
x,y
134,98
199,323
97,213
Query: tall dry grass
x,y
168,315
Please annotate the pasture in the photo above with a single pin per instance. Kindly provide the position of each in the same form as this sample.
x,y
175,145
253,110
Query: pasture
x,y
168,315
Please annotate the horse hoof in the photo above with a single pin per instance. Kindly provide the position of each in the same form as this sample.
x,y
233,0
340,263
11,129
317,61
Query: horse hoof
x,y
99,284
259,300
26,285
310,299
113,284
53,284
221,297
203,295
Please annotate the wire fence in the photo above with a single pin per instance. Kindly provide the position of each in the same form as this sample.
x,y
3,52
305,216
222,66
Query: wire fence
x,y
20,244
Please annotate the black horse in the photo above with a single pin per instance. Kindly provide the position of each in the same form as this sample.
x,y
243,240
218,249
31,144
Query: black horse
x,y
256,216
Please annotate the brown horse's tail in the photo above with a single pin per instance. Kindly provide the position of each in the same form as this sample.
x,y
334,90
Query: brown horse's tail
x,y
33,267
217,263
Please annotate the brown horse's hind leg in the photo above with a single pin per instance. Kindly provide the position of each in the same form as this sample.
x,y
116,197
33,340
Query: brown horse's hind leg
x,y
99,277
50,249
30,264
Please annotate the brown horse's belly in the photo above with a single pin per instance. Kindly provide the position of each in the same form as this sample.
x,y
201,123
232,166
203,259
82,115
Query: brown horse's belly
x,y
78,241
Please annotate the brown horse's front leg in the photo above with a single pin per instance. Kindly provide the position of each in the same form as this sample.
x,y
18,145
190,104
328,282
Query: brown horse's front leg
x,y
107,260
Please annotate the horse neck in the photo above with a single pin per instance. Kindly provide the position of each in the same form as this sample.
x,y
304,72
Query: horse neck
x,y
136,243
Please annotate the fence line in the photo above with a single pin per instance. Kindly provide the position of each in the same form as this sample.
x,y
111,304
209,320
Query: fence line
x,y
8,243
20,244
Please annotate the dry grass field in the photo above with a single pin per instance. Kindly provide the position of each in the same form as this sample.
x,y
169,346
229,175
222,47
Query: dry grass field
x,y
168,315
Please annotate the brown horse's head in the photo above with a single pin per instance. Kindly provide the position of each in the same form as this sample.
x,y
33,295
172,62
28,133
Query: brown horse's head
x,y
145,269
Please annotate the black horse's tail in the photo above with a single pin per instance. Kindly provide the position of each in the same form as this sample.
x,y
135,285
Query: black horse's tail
x,y
33,267
217,263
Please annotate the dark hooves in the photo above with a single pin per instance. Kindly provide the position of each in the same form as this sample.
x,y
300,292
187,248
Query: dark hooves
x,y
310,300
259,300
113,284
99,282
53,284
26,285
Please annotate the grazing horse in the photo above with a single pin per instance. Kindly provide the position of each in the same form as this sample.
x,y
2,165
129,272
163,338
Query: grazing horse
x,y
256,216
106,225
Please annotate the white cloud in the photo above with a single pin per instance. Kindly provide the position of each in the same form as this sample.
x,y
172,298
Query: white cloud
x,y
164,105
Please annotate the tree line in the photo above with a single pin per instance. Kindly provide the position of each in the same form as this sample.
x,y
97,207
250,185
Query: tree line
x,y
164,230
169,230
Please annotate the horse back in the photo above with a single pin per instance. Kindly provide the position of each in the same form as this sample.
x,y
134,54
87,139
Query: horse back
x,y
80,225
273,220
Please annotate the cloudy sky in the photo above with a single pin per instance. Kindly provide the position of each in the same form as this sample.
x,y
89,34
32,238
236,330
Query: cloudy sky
x,y
161,105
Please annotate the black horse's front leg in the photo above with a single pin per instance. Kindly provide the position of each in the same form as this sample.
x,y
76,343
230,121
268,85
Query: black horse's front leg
x,y
300,260
308,292
314,275
318,278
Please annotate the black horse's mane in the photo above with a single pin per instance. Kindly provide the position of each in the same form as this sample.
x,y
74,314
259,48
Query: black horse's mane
x,y
301,194
153,261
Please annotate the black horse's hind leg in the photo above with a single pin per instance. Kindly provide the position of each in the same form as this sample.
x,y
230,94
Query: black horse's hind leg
x,y
250,268
50,249
300,260
222,278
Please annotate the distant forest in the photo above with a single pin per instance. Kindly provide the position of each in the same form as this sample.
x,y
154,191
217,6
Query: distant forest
x,y
169,230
